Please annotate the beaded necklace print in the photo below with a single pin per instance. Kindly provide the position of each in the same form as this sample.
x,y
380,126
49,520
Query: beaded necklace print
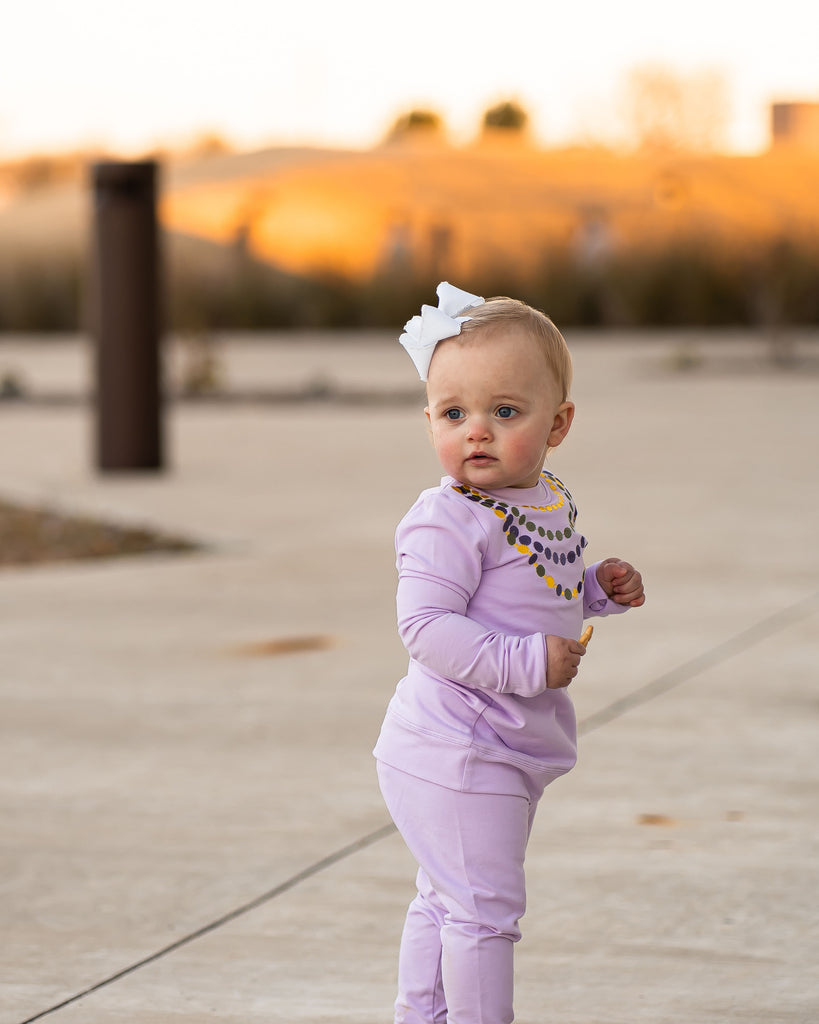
x,y
544,547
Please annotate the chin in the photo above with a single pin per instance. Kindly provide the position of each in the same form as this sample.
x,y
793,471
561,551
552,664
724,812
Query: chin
x,y
487,481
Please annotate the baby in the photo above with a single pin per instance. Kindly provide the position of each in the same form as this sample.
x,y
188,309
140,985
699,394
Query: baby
x,y
492,594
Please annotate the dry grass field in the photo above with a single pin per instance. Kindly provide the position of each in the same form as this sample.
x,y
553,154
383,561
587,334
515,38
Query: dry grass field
x,y
307,209
470,208
482,214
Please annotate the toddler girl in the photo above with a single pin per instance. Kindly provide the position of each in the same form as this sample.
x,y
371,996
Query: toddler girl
x,y
492,593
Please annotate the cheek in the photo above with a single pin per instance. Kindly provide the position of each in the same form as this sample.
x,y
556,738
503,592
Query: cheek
x,y
446,445
526,445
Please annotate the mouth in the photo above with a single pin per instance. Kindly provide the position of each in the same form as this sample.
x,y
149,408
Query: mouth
x,y
480,459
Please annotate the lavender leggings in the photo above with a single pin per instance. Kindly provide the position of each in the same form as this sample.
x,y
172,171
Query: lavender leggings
x,y
455,963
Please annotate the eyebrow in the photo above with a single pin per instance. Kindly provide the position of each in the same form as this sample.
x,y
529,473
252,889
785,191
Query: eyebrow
x,y
500,399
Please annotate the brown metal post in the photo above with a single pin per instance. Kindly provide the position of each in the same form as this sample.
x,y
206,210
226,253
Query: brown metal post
x,y
126,315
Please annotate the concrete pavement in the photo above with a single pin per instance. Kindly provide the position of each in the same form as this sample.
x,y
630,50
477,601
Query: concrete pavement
x,y
157,776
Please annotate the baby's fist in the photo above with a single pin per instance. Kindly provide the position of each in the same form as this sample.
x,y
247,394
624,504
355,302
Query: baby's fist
x,y
562,661
621,582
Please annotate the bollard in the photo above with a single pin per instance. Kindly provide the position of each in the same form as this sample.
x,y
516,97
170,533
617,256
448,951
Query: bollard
x,y
126,317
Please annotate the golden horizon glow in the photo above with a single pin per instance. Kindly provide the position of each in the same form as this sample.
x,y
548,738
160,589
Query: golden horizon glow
x,y
354,215
131,79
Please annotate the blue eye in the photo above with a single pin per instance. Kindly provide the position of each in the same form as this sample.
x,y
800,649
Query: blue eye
x,y
506,412
453,414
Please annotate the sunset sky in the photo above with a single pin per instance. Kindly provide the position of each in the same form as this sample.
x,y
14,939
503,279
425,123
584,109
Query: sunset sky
x,y
261,72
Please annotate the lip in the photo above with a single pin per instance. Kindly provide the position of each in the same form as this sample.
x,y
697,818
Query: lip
x,y
481,457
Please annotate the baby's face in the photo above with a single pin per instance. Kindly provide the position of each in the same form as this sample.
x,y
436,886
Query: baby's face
x,y
494,408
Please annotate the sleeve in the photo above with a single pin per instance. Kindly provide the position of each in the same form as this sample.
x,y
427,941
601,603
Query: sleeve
x,y
595,601
440,565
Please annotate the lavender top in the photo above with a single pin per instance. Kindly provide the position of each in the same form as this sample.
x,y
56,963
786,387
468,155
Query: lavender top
x,y
483,577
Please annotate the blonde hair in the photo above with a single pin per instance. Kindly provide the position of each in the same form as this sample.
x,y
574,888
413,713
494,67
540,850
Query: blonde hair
x,y
501,311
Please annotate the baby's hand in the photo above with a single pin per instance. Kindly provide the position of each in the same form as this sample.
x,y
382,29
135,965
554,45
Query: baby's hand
x,y
621,582
562,660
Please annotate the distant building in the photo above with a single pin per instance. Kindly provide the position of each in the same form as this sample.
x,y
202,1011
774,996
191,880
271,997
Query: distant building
x,y
795,125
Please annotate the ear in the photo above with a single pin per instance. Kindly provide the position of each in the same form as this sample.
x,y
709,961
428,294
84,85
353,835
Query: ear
x,y
429,425
562,423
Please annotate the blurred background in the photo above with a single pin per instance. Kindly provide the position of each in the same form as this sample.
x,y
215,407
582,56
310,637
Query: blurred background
x,y
324,168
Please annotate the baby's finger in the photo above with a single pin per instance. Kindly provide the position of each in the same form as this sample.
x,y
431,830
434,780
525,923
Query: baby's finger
x,y
611,572
631,595
629,584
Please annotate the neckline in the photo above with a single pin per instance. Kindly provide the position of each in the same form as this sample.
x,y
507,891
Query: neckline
x,y
546,495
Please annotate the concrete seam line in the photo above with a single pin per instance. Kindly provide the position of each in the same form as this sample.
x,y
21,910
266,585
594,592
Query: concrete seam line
x,y
720,652
245,908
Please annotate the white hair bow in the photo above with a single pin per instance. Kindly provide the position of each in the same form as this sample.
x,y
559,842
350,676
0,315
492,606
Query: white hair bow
x,y
422,333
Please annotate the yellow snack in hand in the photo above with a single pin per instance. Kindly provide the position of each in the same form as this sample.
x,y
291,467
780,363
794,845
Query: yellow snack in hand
x,y
585,636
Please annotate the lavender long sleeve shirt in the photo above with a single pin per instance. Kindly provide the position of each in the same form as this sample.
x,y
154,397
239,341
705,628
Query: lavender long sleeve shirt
x,y
483,577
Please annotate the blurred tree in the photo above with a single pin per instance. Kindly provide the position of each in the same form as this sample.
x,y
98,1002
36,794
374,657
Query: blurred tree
x,y
507,116
417,123
665,110
209,143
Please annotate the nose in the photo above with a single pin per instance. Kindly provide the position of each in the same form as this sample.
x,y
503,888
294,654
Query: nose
x,y
478,428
